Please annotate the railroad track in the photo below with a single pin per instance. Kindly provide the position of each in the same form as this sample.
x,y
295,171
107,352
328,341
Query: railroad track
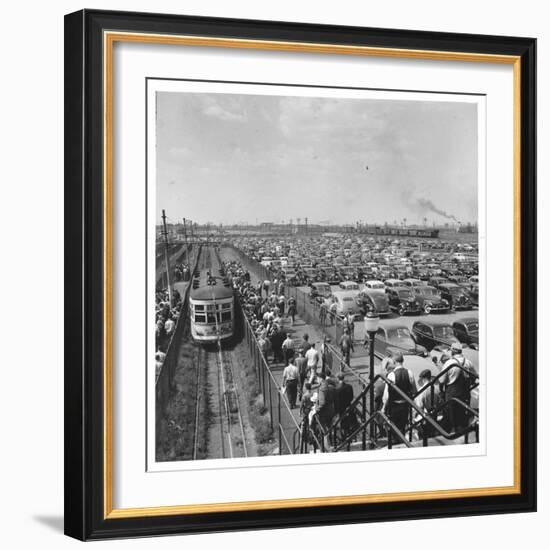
x,y
226,433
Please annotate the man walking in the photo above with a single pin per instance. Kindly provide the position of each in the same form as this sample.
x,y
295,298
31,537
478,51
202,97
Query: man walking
x,y
312,356
301,364
288,348
395,405
290,383
346,346
456,382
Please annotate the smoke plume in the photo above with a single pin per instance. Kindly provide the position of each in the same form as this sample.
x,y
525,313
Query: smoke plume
x,y
426,205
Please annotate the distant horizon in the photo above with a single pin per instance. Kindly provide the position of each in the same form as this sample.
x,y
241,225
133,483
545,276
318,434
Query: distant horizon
x,y
236,158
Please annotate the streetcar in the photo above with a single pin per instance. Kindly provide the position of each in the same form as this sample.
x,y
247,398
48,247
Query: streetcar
x,y
211,307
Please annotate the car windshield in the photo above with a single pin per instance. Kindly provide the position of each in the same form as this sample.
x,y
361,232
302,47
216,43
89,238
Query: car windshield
x,y
399,333
455,290
472,326
443,332
347,299
376,285
427,291
407,294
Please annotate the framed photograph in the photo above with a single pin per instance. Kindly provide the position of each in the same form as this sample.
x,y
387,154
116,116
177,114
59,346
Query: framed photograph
x,y
300,274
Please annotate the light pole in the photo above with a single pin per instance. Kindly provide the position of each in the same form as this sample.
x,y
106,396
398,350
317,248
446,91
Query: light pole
x,y
372,322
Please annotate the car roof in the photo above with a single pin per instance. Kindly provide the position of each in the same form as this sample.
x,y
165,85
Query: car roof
x,y
433,323
466,320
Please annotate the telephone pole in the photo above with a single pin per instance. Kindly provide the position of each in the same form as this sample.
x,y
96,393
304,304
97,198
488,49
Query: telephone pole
x,y
166,258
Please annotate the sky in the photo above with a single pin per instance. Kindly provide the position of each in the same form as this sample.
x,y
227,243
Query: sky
x,y
230,158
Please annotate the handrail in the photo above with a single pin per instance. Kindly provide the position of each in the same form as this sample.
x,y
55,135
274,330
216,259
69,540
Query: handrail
x,y
364,426
440,374
426,417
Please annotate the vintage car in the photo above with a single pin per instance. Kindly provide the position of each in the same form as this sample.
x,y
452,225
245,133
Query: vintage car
x,y
320,292
458,297
349,285
466,330
474,294
374,301
333,277
346,303
391,283
412,282
374,284
397,338
437,281
429,299
403,300
459,280
434,334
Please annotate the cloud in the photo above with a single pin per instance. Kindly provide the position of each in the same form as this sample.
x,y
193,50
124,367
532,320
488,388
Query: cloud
x,y
216,111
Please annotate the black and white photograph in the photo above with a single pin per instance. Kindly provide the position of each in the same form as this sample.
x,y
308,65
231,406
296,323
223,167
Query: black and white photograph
x,y
316,271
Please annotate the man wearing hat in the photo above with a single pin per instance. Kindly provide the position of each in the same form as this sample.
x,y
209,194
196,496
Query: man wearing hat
x,y
429,399
394,404
456,382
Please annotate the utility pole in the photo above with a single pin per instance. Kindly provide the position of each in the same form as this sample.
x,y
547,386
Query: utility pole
x,y
188,251
166,258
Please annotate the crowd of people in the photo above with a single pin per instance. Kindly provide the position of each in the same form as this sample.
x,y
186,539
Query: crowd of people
x,y
307,373
166,318
429,394
324,397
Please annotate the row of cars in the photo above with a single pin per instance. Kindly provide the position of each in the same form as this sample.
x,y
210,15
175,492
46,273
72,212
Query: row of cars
x,y
427,336
407,296
334,258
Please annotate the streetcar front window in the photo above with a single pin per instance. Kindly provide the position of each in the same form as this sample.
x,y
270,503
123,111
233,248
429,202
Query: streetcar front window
x,y
200,318
199,307
210,318
226,316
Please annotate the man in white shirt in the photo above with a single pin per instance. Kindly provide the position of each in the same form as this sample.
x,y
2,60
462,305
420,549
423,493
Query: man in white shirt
x,y
312,356
290,383
288,348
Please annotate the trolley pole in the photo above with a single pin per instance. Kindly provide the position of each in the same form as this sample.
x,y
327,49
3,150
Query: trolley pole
x,y
166,257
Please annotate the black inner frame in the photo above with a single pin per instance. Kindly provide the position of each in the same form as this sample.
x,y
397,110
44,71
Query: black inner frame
x,y
84,514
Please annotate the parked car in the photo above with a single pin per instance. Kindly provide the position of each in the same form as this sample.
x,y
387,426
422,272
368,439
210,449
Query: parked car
x,y
373,301
397,338
466,330
402,300
413,282
430,300
437,281
434,334
349,285
458,297
346,303
320,291
474,294
373,284
391,283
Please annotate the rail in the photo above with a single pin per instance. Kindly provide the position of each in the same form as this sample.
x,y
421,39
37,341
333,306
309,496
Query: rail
x,y
425,418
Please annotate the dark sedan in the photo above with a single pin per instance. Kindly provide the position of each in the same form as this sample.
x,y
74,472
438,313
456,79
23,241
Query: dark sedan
x,y
458,297
467,331
373,300
403,300
397,338
434,334
430,300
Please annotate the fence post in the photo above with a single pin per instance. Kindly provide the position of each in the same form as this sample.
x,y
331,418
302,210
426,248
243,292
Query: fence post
x,y
279,422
